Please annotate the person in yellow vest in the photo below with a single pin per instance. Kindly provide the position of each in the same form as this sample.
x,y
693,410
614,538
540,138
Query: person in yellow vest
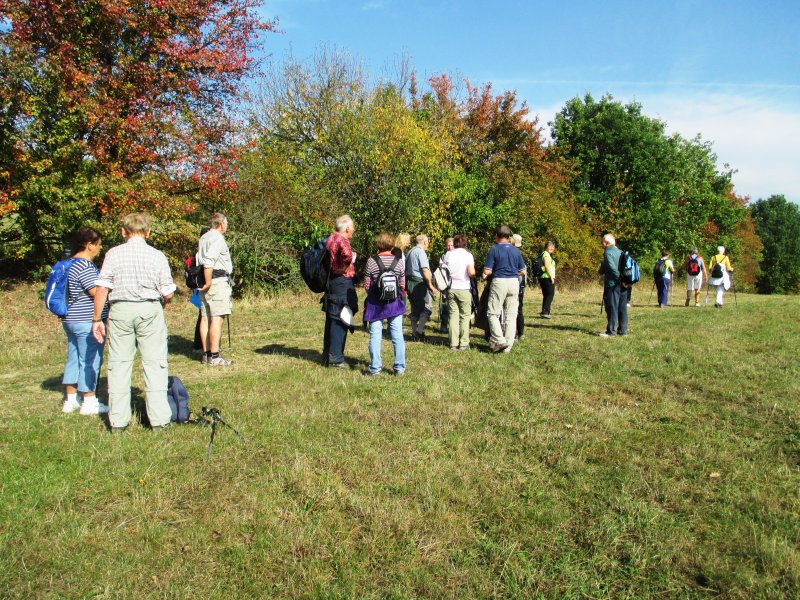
x,y
720,269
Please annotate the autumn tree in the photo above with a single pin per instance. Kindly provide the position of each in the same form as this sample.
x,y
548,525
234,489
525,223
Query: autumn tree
x,y
109,105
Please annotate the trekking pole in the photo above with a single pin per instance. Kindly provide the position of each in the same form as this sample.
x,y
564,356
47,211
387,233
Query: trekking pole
x,y
706,292
228,320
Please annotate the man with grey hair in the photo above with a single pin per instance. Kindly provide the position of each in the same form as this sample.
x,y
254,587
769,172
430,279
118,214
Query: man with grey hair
x,y
504,263
340,301
136,279
615,293
215,296
420,287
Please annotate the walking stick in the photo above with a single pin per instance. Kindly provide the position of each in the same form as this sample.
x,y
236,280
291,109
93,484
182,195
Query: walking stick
x,y
706,292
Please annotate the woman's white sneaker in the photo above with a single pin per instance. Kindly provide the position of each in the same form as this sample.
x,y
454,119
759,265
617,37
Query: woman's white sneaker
x,y
70,406
93,407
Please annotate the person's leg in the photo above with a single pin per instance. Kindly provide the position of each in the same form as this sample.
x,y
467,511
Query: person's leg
x,y
90,358
720,294
121,352
622,319
70,378
453,310
664,298
214,334
151,337
611,298
338,338
463,311
493,310
326,340
399,344
697,296
520,330
198,338
444,312
375,340
427,310
205,311
548,292
511,309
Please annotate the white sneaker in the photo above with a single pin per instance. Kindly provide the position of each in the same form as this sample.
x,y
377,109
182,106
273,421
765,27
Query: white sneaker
x,y
70,406
93,407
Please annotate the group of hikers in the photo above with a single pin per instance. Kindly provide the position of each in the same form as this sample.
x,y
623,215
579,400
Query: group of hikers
x,y
122,302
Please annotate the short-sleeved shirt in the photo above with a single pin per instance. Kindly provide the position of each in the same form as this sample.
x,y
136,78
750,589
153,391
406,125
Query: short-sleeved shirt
x,y
416,260
82,277
213,252
458,261
670,266
136,272
505,261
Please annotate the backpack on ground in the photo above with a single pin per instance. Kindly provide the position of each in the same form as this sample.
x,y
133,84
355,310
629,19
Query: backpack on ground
x,y
193,273
442,278
537,266
178,398
315,266
660,268
693,268
629,268
388,281
718,270
55,292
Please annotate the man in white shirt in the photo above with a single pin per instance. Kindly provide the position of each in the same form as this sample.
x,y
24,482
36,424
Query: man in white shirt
x,y
215,296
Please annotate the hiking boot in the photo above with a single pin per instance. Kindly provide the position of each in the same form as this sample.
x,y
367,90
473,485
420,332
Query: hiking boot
x,y
219,362
506,350
453,347
70,406
372,373
93,407
118,430
204,359
339,365
697,305
158,428
605,334
547,316
497,347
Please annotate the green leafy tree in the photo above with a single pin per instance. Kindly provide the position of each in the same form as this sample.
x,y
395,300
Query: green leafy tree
x,y
777,222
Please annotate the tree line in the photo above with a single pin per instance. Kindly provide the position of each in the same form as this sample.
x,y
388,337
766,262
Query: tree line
x,y
110,106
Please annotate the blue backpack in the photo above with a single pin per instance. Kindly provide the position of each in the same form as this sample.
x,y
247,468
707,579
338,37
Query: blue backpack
x,y
178,398
628,268
55,292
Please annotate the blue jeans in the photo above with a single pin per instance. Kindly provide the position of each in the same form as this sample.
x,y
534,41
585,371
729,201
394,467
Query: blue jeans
x,y
616,303
375,339
84,356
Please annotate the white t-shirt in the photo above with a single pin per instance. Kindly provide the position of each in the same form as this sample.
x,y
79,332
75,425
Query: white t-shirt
x,y
457,261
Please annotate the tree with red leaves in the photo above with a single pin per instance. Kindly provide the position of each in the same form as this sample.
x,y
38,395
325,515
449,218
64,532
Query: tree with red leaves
x,y
111,105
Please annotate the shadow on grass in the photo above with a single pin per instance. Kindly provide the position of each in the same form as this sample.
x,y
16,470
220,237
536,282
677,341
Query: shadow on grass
x,y
583,330
138,404
314,356
182,346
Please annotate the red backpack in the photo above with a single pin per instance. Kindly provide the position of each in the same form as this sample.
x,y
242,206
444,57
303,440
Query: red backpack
x,y
693,266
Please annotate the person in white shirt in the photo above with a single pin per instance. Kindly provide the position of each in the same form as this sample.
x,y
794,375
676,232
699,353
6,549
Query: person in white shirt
x,y
215,296
461,264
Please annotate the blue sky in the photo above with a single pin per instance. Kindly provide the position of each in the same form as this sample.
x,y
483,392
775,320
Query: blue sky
x,y
729,71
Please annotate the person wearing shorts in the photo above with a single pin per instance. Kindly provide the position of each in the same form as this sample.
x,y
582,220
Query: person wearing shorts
x,y
694,283
215,296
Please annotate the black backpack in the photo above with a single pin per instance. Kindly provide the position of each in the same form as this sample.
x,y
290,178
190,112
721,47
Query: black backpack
x,y
537,266
388,282
193,273
660,268
315,267
717,270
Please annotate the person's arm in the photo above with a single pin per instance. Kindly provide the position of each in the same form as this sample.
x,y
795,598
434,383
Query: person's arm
x,y
208,274
471,270
728,264
98,327
550,267
426,275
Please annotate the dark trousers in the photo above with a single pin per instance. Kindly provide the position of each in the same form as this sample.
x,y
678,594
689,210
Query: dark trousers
x,y
662,287
548,293
616,304
335,335
520,317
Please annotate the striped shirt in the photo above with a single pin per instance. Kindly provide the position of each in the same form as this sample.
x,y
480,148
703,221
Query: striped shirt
x,y
136,272
82,277
372,271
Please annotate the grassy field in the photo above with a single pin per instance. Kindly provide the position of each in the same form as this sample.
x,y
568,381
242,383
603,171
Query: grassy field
x,y
663,464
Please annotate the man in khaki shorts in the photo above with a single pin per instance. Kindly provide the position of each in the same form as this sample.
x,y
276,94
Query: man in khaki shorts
x,y
215,295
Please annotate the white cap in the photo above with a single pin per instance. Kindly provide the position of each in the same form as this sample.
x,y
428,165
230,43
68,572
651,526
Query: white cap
x,y
517,240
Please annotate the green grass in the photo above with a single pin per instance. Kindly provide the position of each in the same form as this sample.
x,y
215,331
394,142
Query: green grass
x,y
664,464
